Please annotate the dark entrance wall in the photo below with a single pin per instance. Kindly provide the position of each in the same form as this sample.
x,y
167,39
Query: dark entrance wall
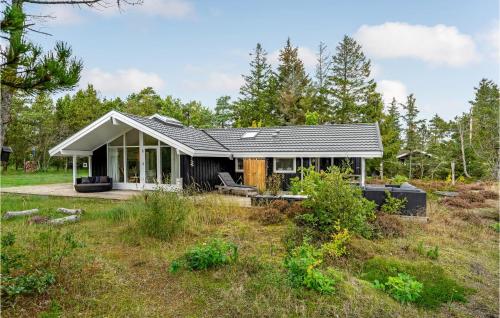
x,y
100,162
203,170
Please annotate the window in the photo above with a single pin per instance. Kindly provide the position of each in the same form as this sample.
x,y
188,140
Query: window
x,y
117,142
132,138
249,134
238,164
284,165
149,141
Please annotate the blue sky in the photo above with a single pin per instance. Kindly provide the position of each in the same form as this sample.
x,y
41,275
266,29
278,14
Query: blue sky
x,y
197,50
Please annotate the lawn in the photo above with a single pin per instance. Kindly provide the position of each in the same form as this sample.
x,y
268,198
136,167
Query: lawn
x,y
120,272
13,178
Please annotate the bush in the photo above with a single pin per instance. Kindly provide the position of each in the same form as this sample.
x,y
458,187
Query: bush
x,y
387,225
456,202
268,216
206,255
403,287
490,195
281,205
471,197
294,209
165,214
438,287
393,205
302,266
333,200
274,183
399,179
496,226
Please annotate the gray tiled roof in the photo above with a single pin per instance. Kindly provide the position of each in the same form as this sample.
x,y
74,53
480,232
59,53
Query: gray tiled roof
x,y
322,138
193,138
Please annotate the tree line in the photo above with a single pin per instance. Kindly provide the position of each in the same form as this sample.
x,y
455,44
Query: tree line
x,y
341,90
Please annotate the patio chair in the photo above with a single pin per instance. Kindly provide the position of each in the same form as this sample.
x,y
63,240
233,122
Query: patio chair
x,y
232,187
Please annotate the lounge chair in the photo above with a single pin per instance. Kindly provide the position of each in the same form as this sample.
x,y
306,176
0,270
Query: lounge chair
x,y
229,186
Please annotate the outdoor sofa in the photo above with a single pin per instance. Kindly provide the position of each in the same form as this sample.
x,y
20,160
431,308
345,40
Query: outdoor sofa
x,y
94,184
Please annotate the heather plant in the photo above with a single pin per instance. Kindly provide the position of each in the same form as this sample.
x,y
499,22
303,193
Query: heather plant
x,y
333,200
393,205
274,183
206,255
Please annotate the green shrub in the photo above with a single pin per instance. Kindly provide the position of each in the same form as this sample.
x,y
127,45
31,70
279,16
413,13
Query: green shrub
x,y
337,246
399,179
496,226
432,253
302,266
165,214
333,200
206,255
393,205
403,287
438,287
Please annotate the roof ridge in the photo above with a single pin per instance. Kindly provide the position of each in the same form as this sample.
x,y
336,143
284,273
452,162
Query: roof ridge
x,y
294,126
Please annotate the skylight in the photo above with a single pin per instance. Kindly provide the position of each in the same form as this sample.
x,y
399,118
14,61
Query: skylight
x,y
249,134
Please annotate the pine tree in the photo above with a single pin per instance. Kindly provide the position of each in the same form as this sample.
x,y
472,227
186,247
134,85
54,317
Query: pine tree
x,y
256,102
390,130
321,103
412,123
293,86
485,127
223,112
350,85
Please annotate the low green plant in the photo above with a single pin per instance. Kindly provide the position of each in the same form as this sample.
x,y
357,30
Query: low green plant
x,y
393,205
402,287
337,247
205,256
438,287
165,214
302,266
399,179
496,226
432,253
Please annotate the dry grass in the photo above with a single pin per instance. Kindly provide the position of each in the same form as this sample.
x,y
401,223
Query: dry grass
x,y
120,273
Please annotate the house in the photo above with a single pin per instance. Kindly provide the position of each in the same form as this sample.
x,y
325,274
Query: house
x,y
144,152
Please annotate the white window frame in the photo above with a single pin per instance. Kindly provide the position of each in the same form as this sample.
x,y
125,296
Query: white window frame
x,y
285,171
236,165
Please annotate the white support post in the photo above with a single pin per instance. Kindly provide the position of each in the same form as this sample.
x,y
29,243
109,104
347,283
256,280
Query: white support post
x,y
142,159
74,169
90,166
363,171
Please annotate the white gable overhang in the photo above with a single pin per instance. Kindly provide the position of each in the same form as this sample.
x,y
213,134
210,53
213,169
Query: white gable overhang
x,y
106,129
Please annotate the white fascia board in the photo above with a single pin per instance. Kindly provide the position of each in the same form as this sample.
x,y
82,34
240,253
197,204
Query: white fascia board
x,y
57,149
153,133
76,153
366,154
204,153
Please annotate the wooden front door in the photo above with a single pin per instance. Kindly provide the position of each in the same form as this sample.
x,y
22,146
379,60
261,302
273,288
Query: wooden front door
x,y
254,173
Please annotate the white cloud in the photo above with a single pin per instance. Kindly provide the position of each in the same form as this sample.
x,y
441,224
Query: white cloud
x,y
167,8
306,55
62,15
216,82
439,44
491,39
392,89
122,82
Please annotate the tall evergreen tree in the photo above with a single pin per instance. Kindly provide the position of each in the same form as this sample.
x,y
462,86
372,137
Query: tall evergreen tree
x,y
293,86
321,103
390,131
412,124
223,112
351,88
256,102
485,126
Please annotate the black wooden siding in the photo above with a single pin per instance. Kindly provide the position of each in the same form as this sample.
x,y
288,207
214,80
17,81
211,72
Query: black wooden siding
x,y
100,162
202,171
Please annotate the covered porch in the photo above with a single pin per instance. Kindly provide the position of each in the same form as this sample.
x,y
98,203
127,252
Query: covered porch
x,y
133,157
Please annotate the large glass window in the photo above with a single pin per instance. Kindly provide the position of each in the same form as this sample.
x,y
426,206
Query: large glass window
x,y
116,164
284,165
133,173
149,141
151,165
117,142
132,138
166,165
